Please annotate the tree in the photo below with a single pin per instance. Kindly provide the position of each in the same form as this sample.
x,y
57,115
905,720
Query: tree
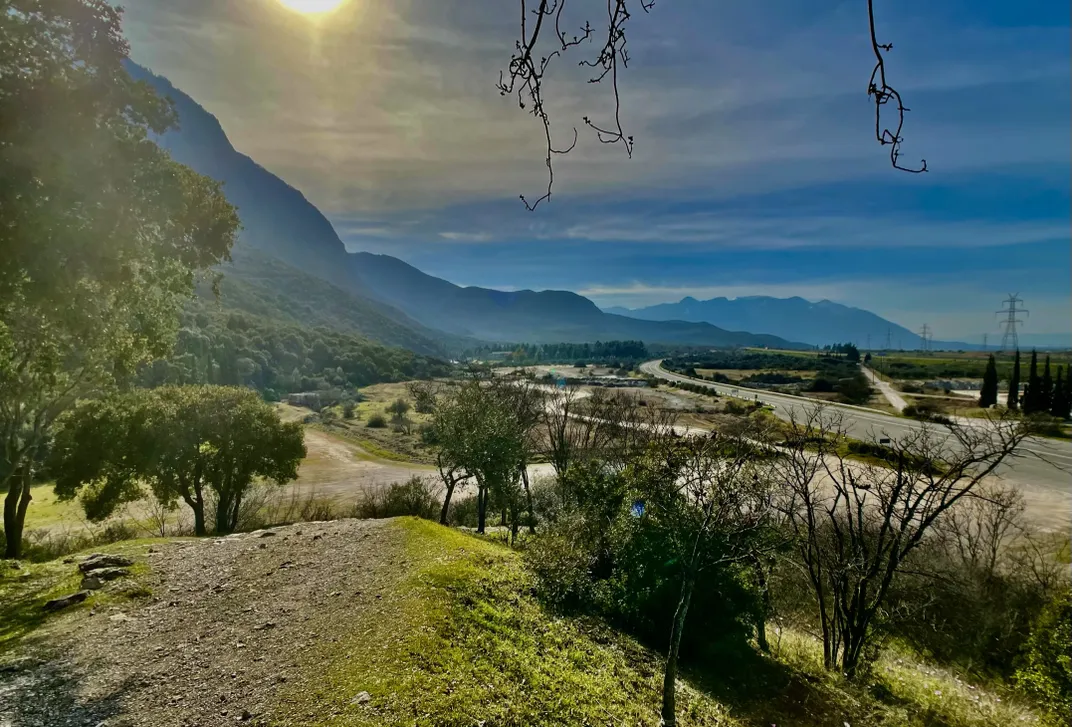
x,y
855,524
708,492
398,410
102,230
1045,396
1062,394
183,443
478,437
988,397
1031,400
1013,402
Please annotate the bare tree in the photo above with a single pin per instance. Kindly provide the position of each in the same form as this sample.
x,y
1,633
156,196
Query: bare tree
x,y
855,523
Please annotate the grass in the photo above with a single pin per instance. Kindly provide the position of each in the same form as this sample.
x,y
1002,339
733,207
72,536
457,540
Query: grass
x,y
463,642
26,587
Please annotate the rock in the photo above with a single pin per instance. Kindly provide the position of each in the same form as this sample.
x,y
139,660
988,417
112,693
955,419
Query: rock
x,y
264,626
361,698
110,574
58,604
102,560
92,583
121,617
265,533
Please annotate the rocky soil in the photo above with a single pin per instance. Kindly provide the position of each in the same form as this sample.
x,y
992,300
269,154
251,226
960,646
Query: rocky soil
x,y
230,623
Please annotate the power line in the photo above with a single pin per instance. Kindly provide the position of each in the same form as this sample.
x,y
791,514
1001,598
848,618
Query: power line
x,y
1010,341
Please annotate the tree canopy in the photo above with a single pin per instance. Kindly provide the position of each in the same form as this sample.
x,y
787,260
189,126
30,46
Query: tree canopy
x,y
183,443
103,231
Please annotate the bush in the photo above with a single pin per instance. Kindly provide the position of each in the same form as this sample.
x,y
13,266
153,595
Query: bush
x,y
349,409
1046,674
927,411
376,421
416,497
559,558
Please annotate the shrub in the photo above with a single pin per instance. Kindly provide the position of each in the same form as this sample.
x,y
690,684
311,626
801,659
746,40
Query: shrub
x,y
415,497
1046,673
349,409
559,558
376,421
926,411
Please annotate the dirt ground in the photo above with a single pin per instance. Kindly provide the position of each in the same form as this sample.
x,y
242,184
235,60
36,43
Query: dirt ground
x,y
207,647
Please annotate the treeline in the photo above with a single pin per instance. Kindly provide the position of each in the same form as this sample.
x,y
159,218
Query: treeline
x,y
600,352
241,350
739,360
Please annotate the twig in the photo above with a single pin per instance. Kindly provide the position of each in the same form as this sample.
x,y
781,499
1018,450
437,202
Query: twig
x,y
883,93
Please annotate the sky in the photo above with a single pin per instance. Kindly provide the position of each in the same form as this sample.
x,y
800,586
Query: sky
x,y
755,169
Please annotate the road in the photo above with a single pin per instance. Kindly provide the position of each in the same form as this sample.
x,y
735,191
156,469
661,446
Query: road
x,y
896,400
1043,472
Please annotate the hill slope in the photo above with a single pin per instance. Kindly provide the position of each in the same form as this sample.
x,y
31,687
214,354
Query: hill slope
x,y
393,623
818,324
538,317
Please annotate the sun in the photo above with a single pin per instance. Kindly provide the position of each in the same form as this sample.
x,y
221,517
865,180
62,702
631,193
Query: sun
x,y
312,6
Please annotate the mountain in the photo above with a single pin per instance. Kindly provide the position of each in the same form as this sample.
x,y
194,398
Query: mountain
x,y
794,318
550,316
285,237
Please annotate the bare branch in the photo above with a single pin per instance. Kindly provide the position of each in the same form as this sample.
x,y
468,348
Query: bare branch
x,y
883,94
525,74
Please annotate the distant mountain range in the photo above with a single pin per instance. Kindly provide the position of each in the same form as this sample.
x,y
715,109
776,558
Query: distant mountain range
x,y
285,239
818,324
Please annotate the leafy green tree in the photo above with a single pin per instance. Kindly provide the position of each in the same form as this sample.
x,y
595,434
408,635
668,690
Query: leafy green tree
x,y
103,231
398,410
988,397
480,436
1013,402
184,443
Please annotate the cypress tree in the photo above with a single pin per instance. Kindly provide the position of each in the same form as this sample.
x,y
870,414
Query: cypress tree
x,y
988,397
1013,402
1031,396
1058,407
1045,395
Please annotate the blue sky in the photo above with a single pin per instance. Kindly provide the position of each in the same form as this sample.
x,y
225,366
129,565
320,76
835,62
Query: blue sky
x,y
755,170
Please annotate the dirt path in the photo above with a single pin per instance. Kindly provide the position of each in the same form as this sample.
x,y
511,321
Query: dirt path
x,y
209,647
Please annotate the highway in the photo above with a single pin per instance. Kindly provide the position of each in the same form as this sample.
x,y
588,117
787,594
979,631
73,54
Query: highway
x,y
1043,472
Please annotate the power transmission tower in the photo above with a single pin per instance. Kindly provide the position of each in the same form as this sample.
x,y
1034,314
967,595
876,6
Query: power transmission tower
x,y
925,337
985,336
1010,308
888,348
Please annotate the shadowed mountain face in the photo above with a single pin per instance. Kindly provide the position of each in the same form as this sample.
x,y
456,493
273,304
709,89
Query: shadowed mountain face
x,y
395,303
537,317
793,318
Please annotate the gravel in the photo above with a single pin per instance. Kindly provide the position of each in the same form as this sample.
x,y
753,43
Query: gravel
x,y
230,621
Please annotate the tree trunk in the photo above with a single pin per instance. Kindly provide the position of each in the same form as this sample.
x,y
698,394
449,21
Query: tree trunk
x,y
15,505
528,496
450,482
760,572
669,718
481,508
198,506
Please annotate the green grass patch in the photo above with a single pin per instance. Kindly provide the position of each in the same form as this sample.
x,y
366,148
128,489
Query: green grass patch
x,y
463,643
26,587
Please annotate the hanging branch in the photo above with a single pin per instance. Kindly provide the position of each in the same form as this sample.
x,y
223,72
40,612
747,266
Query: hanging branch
x,y
883,95
524,75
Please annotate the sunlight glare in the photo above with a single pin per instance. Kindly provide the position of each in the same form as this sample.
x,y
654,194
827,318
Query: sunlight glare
x,y
312,6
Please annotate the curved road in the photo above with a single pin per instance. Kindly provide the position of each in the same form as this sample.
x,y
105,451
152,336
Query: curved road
x,y
1043,471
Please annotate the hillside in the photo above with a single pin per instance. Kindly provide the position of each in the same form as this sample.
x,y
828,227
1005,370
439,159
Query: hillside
x,y
375,622
537,317
796,319
280,223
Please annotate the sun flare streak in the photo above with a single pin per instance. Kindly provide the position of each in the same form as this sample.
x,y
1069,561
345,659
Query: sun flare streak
x,y
312,7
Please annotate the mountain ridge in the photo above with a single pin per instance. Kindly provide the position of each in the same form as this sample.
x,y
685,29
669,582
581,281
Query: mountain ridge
x,y
280,222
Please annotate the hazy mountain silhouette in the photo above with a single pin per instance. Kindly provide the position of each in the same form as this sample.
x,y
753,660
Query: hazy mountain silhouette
x,y
279,222
793,318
